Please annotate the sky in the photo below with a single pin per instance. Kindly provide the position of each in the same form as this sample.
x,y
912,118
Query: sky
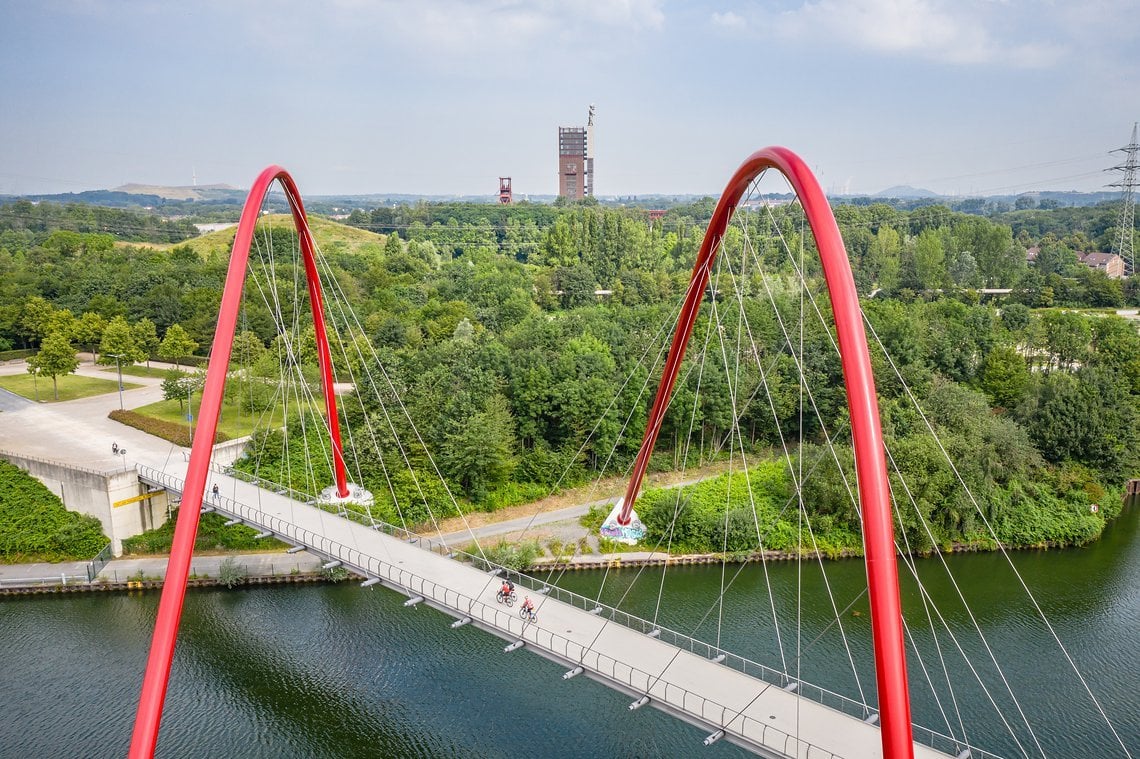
x,y
962,97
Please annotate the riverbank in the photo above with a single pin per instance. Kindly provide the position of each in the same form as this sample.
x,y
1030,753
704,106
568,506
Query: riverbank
x,y
129,574
246,569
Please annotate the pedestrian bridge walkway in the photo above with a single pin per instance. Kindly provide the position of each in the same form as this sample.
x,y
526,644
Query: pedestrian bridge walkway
x,y
741,701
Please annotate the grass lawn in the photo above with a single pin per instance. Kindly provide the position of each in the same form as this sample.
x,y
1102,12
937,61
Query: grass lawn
x,y
137,370
71,386
231,422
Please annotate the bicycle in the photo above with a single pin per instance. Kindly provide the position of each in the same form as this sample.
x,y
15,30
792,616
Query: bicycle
x,y
528,614
506,598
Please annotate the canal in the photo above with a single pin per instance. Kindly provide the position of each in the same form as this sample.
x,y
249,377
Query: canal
x,y
340,671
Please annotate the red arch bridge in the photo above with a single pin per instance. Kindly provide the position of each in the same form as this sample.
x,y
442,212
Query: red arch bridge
x,y
765,710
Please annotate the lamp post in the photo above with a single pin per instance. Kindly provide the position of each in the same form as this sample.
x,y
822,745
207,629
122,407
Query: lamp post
x,y
190,411
119,367
123,452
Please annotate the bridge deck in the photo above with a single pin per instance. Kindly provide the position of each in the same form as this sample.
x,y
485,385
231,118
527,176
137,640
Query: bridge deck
x,y
753,713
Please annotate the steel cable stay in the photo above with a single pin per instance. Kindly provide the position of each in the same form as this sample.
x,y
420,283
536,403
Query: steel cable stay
x,y
914,402
1001,546
296,390
797,465
900,549
811,532
794,351
798,496
335,304
303,391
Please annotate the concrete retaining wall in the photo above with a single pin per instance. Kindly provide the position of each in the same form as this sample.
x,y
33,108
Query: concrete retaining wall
x,y
228,452
93,493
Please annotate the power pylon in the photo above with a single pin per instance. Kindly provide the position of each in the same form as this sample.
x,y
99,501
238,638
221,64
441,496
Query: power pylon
x,y
1127,184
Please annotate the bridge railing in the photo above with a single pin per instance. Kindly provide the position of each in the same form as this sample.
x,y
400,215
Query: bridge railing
x,y
95,566
655,686
62,579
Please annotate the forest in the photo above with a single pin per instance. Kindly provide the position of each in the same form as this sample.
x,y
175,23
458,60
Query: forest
x,y
511,328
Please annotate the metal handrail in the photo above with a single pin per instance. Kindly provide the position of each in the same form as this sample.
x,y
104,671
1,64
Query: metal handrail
x,y
60,579
416,585
95,566
101,472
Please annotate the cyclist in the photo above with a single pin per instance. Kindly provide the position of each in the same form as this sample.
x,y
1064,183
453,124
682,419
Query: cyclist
x,y
505,591
528,605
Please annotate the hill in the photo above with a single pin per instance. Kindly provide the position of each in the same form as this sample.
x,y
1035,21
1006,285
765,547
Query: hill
x,y
196,192
328,235
905,191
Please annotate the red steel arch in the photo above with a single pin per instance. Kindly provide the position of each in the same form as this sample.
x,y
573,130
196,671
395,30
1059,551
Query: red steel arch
x,y
874,490
157,674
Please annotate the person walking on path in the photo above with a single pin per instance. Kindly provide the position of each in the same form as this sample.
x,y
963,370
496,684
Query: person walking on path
x,y
217,494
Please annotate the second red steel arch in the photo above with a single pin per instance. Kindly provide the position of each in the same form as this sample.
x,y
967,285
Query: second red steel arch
x,y
870,463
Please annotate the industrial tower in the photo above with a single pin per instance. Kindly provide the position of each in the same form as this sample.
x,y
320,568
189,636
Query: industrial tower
x,y
505,195
576,160
1127,224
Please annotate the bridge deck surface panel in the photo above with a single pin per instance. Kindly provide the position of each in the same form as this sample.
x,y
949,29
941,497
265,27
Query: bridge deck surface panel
x,y
713,694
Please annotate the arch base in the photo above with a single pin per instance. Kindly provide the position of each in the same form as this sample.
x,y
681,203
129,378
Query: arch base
x,y
356,495
613,529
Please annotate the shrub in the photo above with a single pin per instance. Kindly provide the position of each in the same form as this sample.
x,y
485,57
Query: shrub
x,y
213,535
230,573
35,526
176,433
515,556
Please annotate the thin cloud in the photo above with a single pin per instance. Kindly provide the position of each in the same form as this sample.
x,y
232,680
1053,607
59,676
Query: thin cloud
x,y
456,27
729,20
967,32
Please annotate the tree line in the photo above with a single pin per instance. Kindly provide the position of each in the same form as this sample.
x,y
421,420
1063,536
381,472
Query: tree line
x,y
510,330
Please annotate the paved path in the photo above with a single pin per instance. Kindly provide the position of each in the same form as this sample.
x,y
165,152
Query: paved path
x,y
152,567
10,401
79,432
254,564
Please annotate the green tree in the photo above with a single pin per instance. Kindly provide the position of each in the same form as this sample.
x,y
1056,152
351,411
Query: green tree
x,y
118,345
1004,377
1067,337
178,385
35,318
480,451
146,337
89,331
247,349
176,344
929,260
56,357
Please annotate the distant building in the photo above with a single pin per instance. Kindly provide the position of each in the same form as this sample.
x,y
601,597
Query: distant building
x,y
1110,263
505,195
576,160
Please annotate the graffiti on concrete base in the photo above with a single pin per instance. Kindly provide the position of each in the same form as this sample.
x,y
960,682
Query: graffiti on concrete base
x,y
628,533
